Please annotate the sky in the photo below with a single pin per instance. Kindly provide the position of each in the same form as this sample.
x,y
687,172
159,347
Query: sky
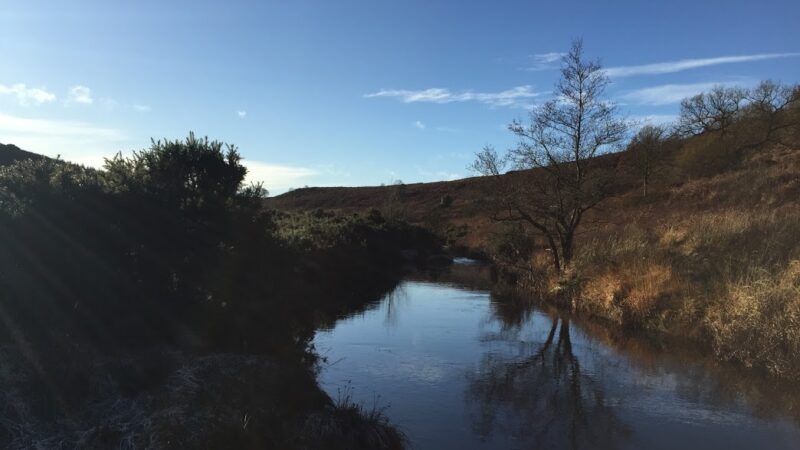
x,y
348,93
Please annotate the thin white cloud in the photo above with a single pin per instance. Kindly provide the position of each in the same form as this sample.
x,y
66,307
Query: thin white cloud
x,y
109,104
74,141
686,64
461,155
437,175
276,177
332,169
672,93
241,114
48,127
548,57
654,119
141,108
511,97
81,94
545,61
419,125
27,96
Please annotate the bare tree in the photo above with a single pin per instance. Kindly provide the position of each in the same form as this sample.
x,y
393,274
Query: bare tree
x,y
647,153
745,118
769,106
711,112
561,143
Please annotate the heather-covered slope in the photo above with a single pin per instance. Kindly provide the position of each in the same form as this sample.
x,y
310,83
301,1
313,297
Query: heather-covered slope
x,y
10,153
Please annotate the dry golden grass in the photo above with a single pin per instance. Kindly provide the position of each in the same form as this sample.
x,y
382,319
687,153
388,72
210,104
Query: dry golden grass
x,y
731,277
629,279
757,320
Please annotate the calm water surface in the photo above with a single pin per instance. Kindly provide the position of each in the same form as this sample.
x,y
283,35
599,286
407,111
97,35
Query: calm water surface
x,y
455,368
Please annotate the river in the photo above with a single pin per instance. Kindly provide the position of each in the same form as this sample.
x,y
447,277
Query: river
x,y
453,367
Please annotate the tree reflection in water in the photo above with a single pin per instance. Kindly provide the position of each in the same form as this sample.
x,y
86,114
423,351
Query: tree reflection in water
x,y
542,399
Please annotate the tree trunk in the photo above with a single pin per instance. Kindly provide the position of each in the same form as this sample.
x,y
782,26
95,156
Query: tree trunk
x,y
554,251
566,248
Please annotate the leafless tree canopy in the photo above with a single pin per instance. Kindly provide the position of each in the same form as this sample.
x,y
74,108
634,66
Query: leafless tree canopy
x,y
764,108
560,143
713,111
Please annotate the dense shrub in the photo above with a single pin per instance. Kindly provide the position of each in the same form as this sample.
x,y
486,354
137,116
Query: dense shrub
x,y
706,156
325,230
120,255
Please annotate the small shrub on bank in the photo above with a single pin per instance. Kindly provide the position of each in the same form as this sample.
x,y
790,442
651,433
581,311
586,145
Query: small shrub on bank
x,y
349,425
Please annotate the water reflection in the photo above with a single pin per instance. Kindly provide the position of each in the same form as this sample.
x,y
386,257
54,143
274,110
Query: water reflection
x,y
458,368
393,301
543,400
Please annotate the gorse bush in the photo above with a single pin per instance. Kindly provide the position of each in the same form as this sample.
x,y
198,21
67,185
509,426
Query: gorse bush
x,y
123,253
321,229
192,175
29,184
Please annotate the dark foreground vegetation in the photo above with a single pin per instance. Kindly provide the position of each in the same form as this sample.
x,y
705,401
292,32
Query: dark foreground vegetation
x,y
156,304
687,229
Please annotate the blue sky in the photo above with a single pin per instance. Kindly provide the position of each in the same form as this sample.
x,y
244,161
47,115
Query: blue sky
x,y
355,92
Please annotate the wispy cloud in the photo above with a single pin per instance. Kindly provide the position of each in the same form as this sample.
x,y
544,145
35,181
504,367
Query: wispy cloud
x,y
549,57
686,64
81,94
419,125
654,119
333,170
75,141
140,108
672,93
277,177
544,61
241,114
27,96
511,97
54,127
438,175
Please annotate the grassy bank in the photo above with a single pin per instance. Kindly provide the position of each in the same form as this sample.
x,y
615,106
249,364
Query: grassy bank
x,y
712,259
